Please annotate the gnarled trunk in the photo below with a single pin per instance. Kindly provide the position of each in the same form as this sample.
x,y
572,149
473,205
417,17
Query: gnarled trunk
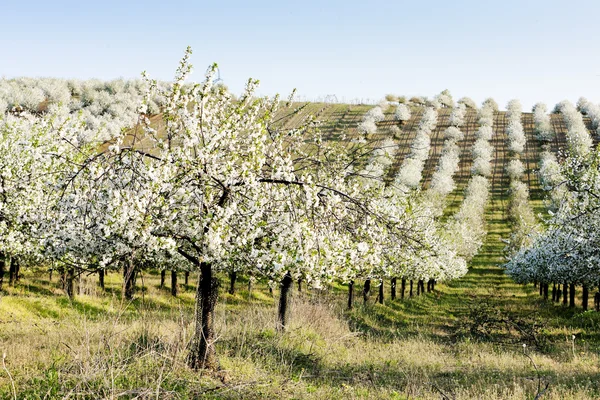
x,y
174,286
163,277
202,350
129,279
572,295
284,297
366,291
13,271
70,283
101,278
585,295
232,279
3,268
350,294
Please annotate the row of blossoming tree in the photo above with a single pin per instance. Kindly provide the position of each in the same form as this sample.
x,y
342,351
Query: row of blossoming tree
x,y
217,189
566,253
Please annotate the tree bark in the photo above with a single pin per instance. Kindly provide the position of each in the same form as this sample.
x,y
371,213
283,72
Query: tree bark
x,y
402,288
129,279
350,294
545,291
70,283
202,351
410,293
393,289
381,292
3,268
174,286
541,289
101,278
13,271
565,294
232,279
572,295
553,292
366,290
284,297
163,276
597,301
585,297
186,277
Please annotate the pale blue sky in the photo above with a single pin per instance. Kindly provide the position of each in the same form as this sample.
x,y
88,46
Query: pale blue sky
x,y
531,50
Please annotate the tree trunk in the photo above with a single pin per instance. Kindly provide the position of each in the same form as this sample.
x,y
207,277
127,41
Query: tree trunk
x,y
433,285
232,279
284,297
174,286
565,294
422,283
163,276
585,297
381,292
101,278
186,277
366,290
597,301
545,291
202,351
70,283
350,294
402,288
393,289
49,277
572,295
410,293
250,288
2,269
13,271
129,280
541,289
553,292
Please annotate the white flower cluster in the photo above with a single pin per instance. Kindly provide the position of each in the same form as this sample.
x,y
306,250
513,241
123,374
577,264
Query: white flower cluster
x,y
458,114
411,170
551,179
104,106
402,112
466,228
543,127
482,149
514,129
442,180
468,102
368,125
591,110
579,141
